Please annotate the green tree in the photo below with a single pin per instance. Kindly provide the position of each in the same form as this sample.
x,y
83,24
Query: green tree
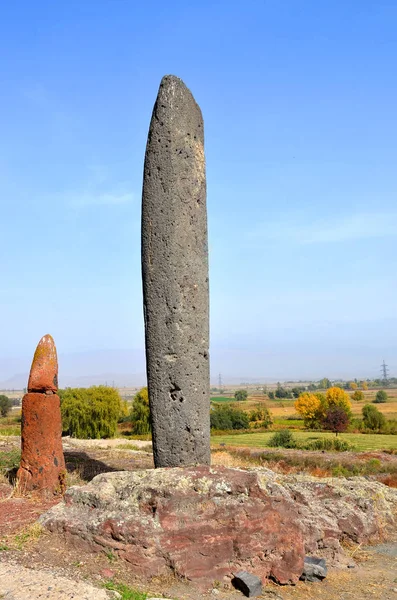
x,y
241,395
271,395
373,418
226,418
90,413
282,392
324,383
140,413
380,397
5,405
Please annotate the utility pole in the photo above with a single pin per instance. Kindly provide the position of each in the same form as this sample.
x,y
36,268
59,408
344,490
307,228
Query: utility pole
x,y
220,382
385,371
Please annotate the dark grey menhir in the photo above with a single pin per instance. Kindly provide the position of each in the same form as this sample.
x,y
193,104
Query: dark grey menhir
x,y
175,279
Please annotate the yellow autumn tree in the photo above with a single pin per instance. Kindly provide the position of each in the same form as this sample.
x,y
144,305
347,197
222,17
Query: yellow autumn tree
x,y
308,406
353,385
364,385
336,397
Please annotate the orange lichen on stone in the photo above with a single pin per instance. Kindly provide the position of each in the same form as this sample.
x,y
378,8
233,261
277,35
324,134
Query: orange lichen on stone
x,y
44,371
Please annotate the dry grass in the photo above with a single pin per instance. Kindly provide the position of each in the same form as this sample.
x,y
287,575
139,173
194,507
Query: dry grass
x,y
25,537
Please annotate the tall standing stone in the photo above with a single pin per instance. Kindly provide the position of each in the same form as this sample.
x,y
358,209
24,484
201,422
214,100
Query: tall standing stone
x,y
42,469
175,278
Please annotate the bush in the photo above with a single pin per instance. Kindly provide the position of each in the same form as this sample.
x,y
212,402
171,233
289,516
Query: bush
x,y
241,395
5,405
261,416
373,418
282,439
271,395
380,397
140,413
225,418
90,413
329,444
282,392
358,396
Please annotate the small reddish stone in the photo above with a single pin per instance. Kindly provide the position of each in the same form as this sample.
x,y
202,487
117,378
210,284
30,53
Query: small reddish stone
x,y
42,470
44,371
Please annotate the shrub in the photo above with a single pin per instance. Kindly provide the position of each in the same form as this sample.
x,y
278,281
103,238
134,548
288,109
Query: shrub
x,y
226,418
5,405
282,439
373,418
329,444
271,395
282,392
140,413
262,416
90,413
241,395
358,396
380,397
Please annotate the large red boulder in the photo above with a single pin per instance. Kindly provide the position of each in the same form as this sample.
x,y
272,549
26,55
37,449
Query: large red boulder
x,y
202,523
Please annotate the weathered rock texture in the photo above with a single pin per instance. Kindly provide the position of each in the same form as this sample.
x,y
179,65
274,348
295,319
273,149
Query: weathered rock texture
x,y
43,375
42,469
203,524
175,278
206,524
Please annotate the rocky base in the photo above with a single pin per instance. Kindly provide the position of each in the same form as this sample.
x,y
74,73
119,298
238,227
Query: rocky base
x,y
205,524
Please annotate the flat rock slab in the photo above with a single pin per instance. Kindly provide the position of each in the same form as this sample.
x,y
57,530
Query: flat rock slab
x,y
202,524
19,583
205,524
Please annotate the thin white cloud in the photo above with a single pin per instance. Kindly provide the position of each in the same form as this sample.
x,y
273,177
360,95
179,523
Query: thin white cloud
x,y
99,189
346,229
83,199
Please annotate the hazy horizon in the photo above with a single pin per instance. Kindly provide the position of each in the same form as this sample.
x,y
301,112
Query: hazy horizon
x,y
299,113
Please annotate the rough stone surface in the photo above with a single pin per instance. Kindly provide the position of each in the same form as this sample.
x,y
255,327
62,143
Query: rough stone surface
x,y
206,524
44,371
42,469
314,569
202,524
248,583
175,278
20,583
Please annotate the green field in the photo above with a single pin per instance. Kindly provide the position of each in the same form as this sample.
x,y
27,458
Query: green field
x,y
218,399
360,441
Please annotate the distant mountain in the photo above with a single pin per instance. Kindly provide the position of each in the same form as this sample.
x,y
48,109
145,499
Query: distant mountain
x,y
19,381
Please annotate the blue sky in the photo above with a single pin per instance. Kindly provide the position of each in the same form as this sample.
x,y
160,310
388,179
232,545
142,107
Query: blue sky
x,y
299,105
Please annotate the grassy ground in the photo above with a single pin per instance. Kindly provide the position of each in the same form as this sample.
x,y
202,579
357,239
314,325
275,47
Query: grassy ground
x,y
220,399
360,441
